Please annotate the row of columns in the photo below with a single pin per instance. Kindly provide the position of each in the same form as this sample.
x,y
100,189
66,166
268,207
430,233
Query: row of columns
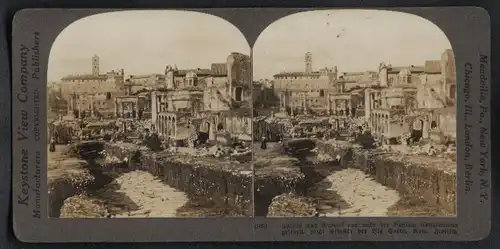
x,y
374,100
380,123
166,126
331,106
74,101
120,110
346,108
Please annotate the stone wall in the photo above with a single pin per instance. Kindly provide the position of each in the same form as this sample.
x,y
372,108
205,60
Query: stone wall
x,y
421,177
62,188
269,184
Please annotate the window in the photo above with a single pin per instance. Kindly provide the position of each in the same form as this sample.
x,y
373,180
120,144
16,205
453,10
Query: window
x,y
238,94
108,96
453,89
321,93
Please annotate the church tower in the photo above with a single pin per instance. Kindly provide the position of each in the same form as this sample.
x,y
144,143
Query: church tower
x,y
95,65
308,61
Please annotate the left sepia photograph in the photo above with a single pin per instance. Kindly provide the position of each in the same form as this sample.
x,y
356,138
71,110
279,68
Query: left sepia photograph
x,y
149,115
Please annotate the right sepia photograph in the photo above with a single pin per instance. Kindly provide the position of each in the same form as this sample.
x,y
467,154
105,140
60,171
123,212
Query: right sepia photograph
x,y
354,115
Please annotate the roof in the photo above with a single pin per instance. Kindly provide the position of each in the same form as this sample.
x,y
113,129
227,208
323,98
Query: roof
x,y
412,69
85,77
297,74
145,76
357,91
197,71
404,86
433,66
352,73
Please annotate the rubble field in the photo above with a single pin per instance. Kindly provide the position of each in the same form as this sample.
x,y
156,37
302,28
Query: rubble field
x,y
66,176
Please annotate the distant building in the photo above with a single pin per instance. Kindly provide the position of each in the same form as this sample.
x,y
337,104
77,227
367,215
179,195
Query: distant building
x,y
218,99
422,98
92,93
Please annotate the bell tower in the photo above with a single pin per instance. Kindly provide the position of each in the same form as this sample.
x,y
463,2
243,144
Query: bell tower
x,y
95,65
308,61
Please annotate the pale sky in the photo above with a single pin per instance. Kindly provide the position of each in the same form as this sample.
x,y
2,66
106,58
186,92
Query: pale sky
x,y
144,42
366,38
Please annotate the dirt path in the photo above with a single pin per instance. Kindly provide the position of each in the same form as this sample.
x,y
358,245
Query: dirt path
x,y
364,196
152,197
133,194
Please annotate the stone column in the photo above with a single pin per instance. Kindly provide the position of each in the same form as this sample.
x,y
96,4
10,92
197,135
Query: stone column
x,y
329,105
282,102
304,103
160,125
174,128
349,107
386,124
116,108
425,129
211,132
167,126
368,108
164,126
69,109
137,108
334,106
388,130
371,122
79,109
91,105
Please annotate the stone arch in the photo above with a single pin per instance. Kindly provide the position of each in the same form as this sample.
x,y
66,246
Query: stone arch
x,y
238,93
321,93
220,126
433,124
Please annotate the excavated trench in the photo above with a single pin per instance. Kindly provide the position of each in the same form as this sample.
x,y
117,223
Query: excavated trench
x,y
315,186
173,185
66,187
362,183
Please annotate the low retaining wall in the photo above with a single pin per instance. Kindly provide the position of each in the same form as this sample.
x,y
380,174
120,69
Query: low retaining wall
x,y
277,173
65,186
422,177
223,182
271,184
